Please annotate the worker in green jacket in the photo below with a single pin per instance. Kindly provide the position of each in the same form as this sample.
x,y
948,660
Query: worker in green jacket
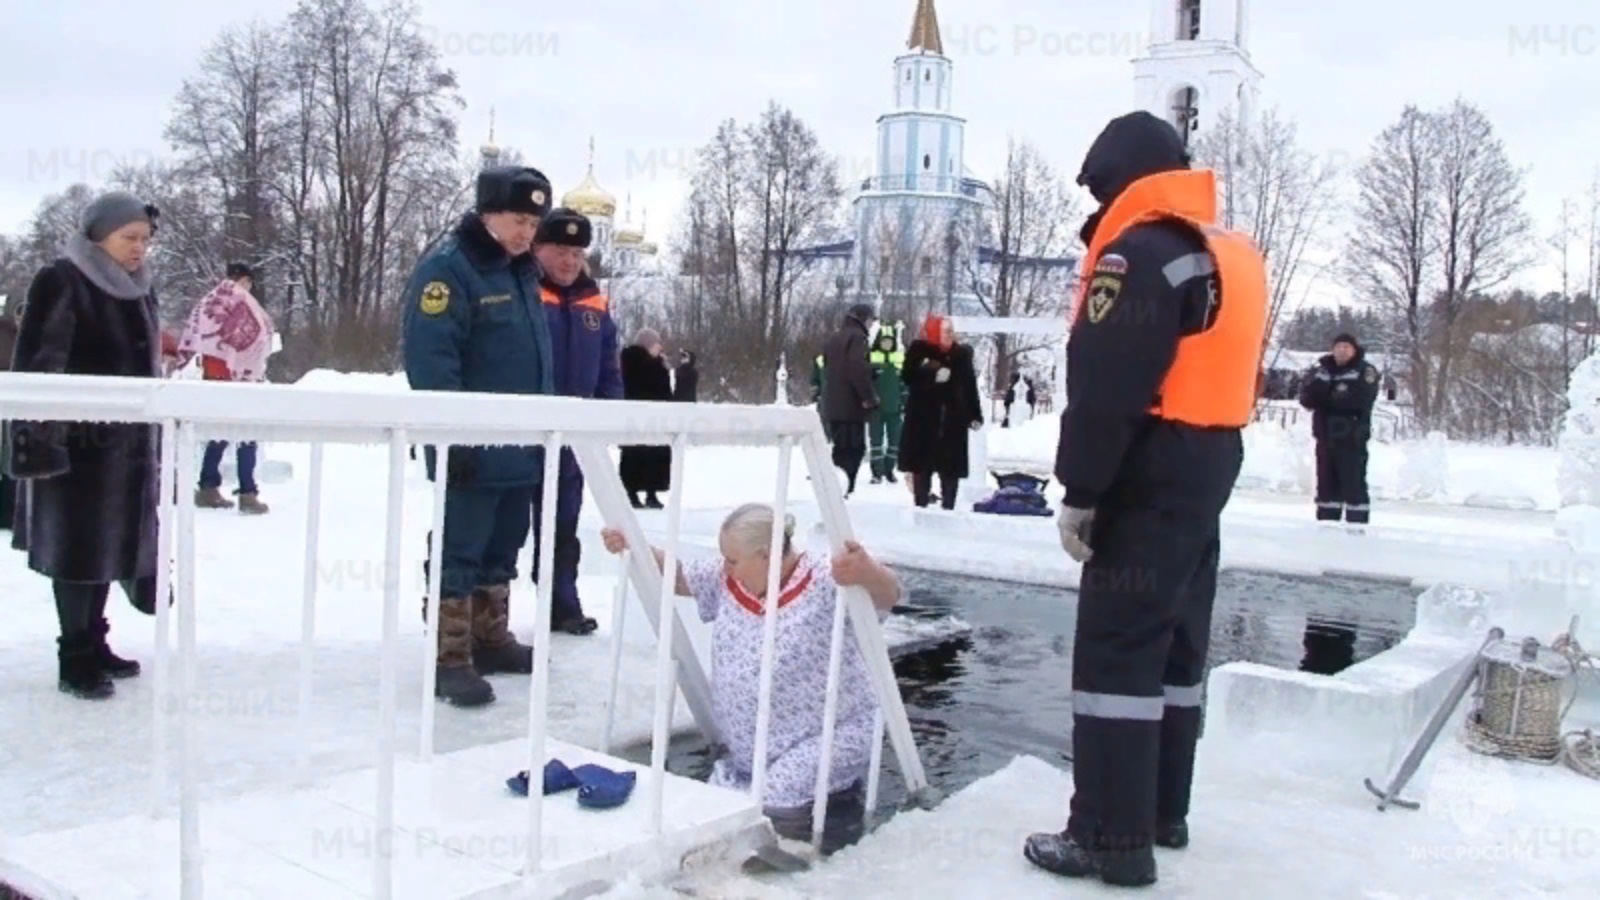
x,y
816,392
883,432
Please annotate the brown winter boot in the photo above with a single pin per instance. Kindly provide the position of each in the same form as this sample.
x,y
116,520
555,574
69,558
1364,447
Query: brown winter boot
x,y
458,683
211,498
251,505
494,648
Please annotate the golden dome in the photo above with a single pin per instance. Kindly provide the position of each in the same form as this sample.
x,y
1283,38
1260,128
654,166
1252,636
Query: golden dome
x,y
627,237
648,248
590,199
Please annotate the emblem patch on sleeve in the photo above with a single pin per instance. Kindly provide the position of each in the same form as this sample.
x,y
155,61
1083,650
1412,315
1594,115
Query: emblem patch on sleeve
x,y
591,320
1371,375
1111,264
1103,292
435,298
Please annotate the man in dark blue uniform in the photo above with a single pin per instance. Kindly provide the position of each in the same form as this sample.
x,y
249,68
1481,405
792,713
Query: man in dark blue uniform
x,y
474,322
584,342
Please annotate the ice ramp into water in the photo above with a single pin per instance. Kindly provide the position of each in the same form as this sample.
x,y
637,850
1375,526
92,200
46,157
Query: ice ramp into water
x,y
459,833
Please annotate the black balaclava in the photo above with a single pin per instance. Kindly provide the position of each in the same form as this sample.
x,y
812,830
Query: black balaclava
x,y
1131,147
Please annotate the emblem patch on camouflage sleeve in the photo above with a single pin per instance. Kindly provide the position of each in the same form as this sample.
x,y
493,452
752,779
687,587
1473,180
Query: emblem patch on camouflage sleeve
x,y
1103,292
435,298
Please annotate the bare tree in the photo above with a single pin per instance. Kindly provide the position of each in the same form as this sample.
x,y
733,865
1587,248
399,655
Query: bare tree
x,y
1391,250
1034,220
1275,190
760,193
1484,232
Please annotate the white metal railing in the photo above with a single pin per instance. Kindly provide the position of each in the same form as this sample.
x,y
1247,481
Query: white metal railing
x,y
187,412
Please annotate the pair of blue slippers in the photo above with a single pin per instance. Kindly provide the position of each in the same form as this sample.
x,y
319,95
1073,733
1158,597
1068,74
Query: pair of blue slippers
x,y
598,787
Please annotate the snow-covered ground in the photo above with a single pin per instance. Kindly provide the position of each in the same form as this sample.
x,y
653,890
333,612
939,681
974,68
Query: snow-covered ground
x,y
1279,459
1267,812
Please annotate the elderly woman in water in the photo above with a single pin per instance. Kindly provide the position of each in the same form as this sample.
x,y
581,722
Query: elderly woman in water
x,y
730,592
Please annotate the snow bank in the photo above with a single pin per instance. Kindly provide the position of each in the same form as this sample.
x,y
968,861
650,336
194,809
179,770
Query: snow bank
x,y
1579,474
1281,458
331,380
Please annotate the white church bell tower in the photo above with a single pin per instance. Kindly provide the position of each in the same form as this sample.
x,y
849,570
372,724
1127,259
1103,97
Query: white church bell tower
x,y
915,215
1197,66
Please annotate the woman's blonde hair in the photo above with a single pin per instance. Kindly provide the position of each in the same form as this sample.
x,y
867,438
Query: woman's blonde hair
x,y
751,527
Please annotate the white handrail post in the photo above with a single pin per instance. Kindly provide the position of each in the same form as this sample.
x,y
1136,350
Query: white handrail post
x,y
619,609
430,616
875,765
539,694
383,859
167,523
308,608
769,623
665,692
868,629
190,862
830,716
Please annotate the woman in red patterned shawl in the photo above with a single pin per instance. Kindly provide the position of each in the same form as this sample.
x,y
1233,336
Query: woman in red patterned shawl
x,y
232,336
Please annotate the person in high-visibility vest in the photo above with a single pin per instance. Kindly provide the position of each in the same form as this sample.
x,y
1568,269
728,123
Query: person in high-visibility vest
x,y
883,429
1167,331
818,374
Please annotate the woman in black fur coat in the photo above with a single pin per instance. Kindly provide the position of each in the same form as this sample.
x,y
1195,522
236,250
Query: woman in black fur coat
x,y
646,469
86,502
942,404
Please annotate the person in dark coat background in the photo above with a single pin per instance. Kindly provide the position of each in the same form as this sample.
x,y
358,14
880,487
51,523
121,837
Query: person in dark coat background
x,y
942,404
848,396
583,340
1340,391
86,504
8,342
646,469
686,379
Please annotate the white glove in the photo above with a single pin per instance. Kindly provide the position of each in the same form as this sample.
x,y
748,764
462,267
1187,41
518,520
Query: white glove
x,y
1074,525
941,376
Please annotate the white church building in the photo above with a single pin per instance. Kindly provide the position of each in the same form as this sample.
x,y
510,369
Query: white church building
x,y
922,222
1198,66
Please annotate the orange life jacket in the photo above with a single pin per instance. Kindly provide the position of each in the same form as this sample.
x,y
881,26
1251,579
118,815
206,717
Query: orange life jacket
x,y
1213,381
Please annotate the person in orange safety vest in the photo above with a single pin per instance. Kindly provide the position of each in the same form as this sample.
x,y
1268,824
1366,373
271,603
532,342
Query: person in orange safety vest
x,y
1167,330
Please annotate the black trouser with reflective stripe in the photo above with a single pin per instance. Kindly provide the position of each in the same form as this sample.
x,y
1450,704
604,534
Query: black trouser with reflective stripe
x,y
1144,622
1342,481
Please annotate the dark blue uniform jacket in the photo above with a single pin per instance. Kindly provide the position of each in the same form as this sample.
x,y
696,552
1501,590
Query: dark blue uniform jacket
x,y
474,321
584,339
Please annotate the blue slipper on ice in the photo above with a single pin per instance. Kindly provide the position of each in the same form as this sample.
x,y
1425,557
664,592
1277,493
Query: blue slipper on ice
x,y
601,788
557,778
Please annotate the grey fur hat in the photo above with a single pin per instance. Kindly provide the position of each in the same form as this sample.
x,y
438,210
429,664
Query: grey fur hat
x,y
644,337
110,211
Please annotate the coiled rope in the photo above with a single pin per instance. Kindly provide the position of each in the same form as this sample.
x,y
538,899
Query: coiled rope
x,y
1520,712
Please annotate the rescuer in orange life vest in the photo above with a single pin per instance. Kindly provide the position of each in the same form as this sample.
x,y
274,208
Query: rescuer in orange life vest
x,y
1167,334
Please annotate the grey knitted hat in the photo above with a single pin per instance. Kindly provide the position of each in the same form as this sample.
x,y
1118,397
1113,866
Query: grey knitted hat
x,y
111,211
644,337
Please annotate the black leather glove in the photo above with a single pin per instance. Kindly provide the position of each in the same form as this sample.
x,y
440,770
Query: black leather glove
x,y
462,468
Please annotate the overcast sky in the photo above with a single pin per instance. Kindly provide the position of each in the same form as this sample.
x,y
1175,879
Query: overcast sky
x,y
89,83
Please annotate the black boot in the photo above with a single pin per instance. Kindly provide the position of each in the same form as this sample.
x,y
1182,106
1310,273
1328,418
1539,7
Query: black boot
x,y
633,498
651,501
80,672
111,664
1172,835
1063,855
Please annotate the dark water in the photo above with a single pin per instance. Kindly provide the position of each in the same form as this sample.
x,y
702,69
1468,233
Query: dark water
x,y
1005,691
